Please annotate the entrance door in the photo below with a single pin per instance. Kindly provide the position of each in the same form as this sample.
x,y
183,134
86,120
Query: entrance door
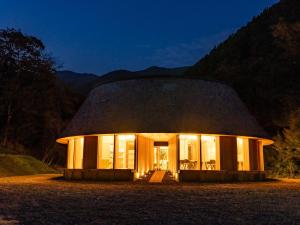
x,y
161,157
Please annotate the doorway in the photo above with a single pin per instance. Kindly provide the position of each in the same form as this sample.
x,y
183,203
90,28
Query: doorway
x,y
161,160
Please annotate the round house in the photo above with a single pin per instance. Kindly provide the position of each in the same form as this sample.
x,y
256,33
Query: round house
x,y
139,127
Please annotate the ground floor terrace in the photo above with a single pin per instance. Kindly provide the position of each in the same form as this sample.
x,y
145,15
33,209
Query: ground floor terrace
x,y
187,157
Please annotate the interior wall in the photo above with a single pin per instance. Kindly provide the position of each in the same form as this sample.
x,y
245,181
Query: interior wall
x,y
145,154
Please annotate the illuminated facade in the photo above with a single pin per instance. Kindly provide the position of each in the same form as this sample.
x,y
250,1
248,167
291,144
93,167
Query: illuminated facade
x,y
197,130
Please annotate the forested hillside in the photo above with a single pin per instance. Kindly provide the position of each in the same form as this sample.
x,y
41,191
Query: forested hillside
x,y
83,83
262,62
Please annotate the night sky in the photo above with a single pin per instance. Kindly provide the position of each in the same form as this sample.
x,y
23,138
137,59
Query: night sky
x,y
99,36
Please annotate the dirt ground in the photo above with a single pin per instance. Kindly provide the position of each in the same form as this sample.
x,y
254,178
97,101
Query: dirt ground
x,y
47,199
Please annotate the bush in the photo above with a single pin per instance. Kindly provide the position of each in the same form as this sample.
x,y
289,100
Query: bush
x,y
287,147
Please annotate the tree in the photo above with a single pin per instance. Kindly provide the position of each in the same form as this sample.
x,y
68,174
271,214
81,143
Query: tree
x,y
287,146
22,61
34,105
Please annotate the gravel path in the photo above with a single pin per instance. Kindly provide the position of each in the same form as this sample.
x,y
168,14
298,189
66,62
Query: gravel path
x,y
47,199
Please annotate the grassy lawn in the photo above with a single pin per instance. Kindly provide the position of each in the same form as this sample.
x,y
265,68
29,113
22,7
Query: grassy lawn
x,y
16,165
44,199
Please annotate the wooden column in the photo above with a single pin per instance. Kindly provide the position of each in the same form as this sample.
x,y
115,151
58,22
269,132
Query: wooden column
x,y
90,152
141,145
261,156
200,153
114,155
136,161
70,154
254,154
228,153
177,153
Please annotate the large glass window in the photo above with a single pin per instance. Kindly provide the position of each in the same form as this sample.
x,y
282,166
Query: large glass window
x,y
125,150
209,152
161,157
243,153
189,152
105,152
78,153
70,160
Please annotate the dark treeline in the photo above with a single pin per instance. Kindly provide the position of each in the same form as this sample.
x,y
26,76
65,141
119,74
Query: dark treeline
x,y
34,105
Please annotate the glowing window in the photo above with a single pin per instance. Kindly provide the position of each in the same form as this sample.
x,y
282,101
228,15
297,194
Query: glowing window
x,y
189,152
70,161
78,153
105,151
125,150
243,153
209,152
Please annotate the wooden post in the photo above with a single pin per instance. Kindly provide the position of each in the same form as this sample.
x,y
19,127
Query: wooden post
x,y
261,156
177,153
228,153
254,155
90,152
136,153
200,152
114,155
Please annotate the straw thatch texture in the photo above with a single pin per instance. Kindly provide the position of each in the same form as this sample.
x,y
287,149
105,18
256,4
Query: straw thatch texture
x,y
163,105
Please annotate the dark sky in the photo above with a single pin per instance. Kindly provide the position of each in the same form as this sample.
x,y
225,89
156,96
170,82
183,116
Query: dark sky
x,y
103,35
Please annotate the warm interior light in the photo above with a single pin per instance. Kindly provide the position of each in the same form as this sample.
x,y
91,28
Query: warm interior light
x,y
176,176
189,152
240,149
242,153
129,137
137,175
105,151
209,152
188,137
125,149
207,138
78,153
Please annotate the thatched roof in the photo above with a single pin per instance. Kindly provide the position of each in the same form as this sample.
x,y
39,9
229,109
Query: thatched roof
x,y
163,105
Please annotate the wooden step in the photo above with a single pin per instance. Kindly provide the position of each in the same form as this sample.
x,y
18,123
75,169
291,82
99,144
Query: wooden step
x,y
157,176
